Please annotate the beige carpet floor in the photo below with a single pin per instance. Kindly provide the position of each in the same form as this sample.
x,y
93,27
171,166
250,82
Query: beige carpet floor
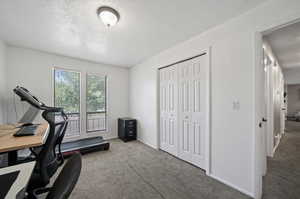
x,y
283,176
133,170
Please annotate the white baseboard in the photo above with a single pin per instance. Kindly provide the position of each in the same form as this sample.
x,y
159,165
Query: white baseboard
x,y
148,144
276,146
111,138
233,186
274,149
142,141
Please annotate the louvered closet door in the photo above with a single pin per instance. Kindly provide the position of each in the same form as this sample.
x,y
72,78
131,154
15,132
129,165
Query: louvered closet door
x,y
168,110
192,110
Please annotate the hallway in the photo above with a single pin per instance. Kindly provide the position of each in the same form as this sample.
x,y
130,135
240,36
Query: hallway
x,y
283,176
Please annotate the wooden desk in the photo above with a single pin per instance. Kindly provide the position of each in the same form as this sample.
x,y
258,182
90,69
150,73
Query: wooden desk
x,y
10,143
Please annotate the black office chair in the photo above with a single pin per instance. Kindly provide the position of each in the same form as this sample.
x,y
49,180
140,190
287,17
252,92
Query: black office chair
x,y
57,146
65,182
49,158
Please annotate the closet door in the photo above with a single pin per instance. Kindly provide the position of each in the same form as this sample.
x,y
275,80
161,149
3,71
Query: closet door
x,y
193,79
168,110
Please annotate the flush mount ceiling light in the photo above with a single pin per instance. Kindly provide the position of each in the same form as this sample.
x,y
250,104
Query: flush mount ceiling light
x,y
108,15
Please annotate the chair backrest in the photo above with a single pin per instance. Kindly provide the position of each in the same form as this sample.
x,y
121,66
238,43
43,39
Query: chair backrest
x,y
48,160
67,179
59,141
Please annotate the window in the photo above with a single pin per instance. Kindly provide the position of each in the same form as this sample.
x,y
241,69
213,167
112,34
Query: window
x,y
96,103
67,95
86,118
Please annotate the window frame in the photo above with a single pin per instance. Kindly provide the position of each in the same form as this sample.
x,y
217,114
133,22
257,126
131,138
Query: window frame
x,y
105,104
74,137
83,109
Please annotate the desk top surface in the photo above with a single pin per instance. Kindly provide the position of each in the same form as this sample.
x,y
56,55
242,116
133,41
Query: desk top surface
x,y
10,143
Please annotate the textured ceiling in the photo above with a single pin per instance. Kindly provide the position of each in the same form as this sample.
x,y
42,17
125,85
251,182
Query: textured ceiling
x,y
285,43
71,27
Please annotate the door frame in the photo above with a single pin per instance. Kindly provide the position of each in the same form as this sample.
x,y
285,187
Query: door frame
x,y
207,52
257,146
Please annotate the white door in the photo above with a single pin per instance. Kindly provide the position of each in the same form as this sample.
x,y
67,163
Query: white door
x,y
168,109
264,126
259,114
193,80
282,108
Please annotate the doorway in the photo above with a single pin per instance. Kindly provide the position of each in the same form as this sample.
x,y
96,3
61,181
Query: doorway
x,y
278,64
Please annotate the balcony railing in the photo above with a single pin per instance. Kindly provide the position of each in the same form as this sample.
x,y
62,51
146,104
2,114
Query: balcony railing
x,y
74,125
96,121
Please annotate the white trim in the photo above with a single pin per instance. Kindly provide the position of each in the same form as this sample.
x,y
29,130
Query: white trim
x,y
232,185
256,150
158,109
276,145
110,138
208,115
52,85
148,144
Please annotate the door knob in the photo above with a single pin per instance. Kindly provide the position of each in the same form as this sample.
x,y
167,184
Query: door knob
x,y
260,125
264,119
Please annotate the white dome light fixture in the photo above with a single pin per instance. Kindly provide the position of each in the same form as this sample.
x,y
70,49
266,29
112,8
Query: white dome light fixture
x,y
108,15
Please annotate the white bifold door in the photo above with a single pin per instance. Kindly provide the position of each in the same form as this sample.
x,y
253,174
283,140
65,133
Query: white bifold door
x,y
184,108
168,110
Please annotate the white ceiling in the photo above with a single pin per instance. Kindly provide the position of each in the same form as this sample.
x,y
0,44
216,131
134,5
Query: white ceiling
x,y
71,27
285,43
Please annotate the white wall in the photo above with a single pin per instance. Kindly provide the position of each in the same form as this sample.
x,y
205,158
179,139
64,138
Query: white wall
x,y
2,82
33,70
233,133
293,98
292,76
